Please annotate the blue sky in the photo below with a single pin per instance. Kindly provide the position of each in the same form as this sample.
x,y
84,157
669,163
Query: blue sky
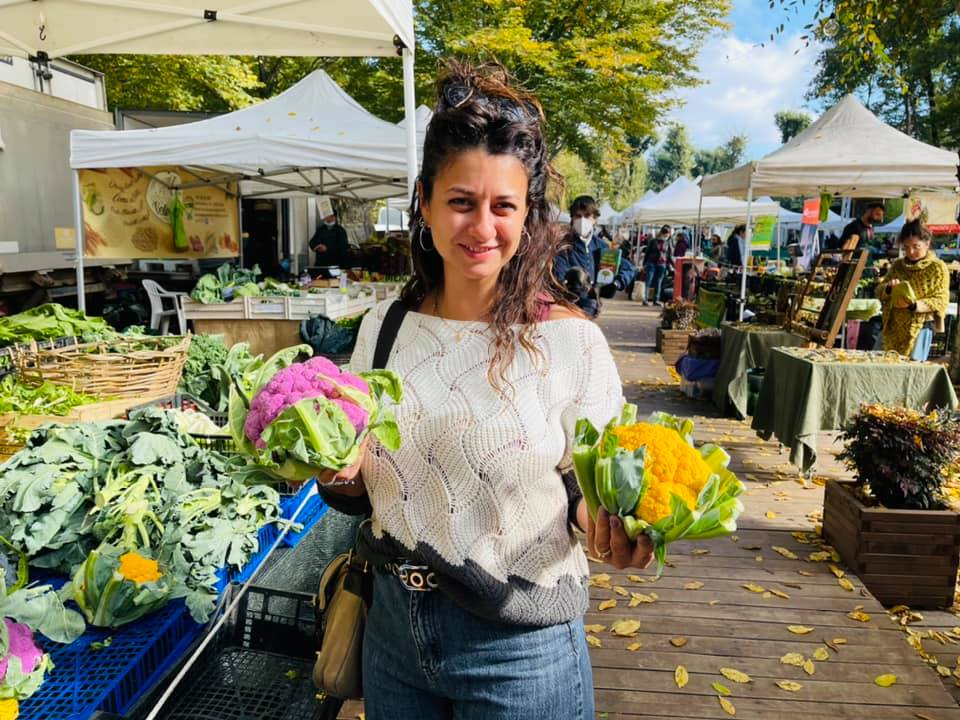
x,y
745,83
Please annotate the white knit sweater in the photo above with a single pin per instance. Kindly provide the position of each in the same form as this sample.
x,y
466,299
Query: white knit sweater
x,y
474,490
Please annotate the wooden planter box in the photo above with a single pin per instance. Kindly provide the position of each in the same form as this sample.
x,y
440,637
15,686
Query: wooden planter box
x,y
672,344
906,557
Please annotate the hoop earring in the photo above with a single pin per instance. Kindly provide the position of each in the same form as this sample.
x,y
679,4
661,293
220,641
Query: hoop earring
x,y
519,252
420,227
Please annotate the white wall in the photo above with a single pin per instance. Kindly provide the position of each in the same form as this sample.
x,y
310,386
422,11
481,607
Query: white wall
x,y
70,81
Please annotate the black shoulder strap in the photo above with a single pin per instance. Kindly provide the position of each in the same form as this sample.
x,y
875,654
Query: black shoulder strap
x,y
388,334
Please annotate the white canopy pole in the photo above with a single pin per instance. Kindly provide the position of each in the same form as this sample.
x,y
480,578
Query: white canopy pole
x,y
410,112
696,229
779,241
748,235
78,225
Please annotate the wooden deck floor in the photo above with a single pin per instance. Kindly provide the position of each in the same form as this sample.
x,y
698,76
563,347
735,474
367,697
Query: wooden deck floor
x,y
703,617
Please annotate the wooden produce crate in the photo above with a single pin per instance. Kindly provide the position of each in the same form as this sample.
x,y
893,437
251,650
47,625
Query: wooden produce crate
x,y
194,310
672,344
903,557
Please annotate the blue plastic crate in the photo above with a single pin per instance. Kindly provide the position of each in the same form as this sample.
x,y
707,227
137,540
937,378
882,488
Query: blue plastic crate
x,y
113,678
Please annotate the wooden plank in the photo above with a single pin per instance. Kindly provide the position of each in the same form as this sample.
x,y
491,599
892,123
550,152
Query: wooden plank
x,y
692,706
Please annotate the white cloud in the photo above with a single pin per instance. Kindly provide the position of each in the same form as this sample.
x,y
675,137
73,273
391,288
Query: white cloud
x,y
745,85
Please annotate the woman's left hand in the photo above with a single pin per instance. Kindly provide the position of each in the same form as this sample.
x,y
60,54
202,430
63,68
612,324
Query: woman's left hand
x,y
607,541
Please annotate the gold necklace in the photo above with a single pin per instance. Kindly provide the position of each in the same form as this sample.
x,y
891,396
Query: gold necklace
x,y
457,334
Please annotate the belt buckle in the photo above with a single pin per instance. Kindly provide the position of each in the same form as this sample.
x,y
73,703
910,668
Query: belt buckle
x,y
416,578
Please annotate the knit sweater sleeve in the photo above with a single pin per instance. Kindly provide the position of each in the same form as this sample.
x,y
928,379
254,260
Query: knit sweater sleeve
x,y
600,395
936,295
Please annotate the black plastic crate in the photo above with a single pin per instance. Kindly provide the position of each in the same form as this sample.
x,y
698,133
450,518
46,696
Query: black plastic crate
x,y
186,402
258,667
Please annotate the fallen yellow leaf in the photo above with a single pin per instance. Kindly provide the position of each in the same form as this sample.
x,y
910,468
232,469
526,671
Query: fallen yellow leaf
x,y
771,515
602,580
635,578
788,685
678,641
792,659
819,556
836,571
858,615
839,641
944,671
594,641
784,552
701,551
622,592
594,628
713,602
753,587
606,605
821,654
693,586
845,584
727,706
735,675
808,667
637,598
885,680
721,688
625,628
680,676
779,594
797,629
633,647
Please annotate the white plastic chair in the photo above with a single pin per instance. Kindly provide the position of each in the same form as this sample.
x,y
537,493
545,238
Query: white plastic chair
x,y
159,317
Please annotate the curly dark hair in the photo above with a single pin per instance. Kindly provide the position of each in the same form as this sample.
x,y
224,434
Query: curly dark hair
x,y
495,115
915,229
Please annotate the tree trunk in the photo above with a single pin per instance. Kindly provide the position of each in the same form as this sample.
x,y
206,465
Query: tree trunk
x,y
932,106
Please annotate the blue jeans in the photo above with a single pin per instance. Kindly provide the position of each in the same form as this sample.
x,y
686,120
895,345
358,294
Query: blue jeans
x,y
425,658
655,275
921,346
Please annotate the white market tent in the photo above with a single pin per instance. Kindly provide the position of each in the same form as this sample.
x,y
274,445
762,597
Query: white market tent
x,y
423,116
894,226
791,220
627,215
680,203
847,152
43,30
607,214
312,138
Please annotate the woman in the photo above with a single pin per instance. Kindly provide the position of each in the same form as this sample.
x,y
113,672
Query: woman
x,y
497,367
736,246
909,320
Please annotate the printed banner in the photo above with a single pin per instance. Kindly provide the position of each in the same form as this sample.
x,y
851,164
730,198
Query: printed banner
x,y
811,211
127,214
609,264
762,237
937,211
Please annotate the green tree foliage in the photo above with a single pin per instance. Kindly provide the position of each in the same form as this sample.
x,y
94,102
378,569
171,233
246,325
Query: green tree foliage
x,y
626,184
675,157
791,123
724,157
212,83
902,61
577,179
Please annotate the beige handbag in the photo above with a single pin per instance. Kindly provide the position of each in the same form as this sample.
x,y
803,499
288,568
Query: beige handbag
x,y
342,601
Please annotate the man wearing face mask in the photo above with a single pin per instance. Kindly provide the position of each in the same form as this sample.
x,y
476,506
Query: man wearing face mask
x,y
583,246
330,243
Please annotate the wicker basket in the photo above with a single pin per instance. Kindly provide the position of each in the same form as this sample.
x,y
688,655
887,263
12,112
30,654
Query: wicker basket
x,y
118,368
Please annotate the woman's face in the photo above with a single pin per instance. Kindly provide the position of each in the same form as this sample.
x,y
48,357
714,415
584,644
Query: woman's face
x,y
477,212
915,248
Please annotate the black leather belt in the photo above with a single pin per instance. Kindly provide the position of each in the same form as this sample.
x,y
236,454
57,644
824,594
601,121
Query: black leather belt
x,y
416,578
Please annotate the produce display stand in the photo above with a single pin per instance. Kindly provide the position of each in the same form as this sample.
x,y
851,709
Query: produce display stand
x,y
110,670
269,324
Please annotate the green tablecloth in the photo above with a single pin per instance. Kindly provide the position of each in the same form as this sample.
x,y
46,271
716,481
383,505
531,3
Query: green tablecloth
x,y
741,350
800,397
858,309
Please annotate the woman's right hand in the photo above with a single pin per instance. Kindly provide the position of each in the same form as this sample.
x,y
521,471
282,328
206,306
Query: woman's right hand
x,y
347,481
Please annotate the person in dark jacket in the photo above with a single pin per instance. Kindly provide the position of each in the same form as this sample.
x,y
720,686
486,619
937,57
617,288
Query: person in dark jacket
x,y
860,232
656,257
583,246
579,285
330,243
736,245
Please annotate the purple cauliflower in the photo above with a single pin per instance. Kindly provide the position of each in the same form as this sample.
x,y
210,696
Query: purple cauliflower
x,y
318,377
22,645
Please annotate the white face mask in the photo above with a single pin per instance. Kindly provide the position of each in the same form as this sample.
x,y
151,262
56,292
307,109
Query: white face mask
x,y
583,226
329,223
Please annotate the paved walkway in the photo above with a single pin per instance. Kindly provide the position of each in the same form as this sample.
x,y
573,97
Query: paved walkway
x,y
741,604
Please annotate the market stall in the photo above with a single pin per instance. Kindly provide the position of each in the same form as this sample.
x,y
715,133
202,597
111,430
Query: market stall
x,y
808,390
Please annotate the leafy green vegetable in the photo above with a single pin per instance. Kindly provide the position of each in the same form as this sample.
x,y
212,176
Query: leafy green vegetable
x,y
210,368
138,485
45,399
210,288
49,322
40,608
